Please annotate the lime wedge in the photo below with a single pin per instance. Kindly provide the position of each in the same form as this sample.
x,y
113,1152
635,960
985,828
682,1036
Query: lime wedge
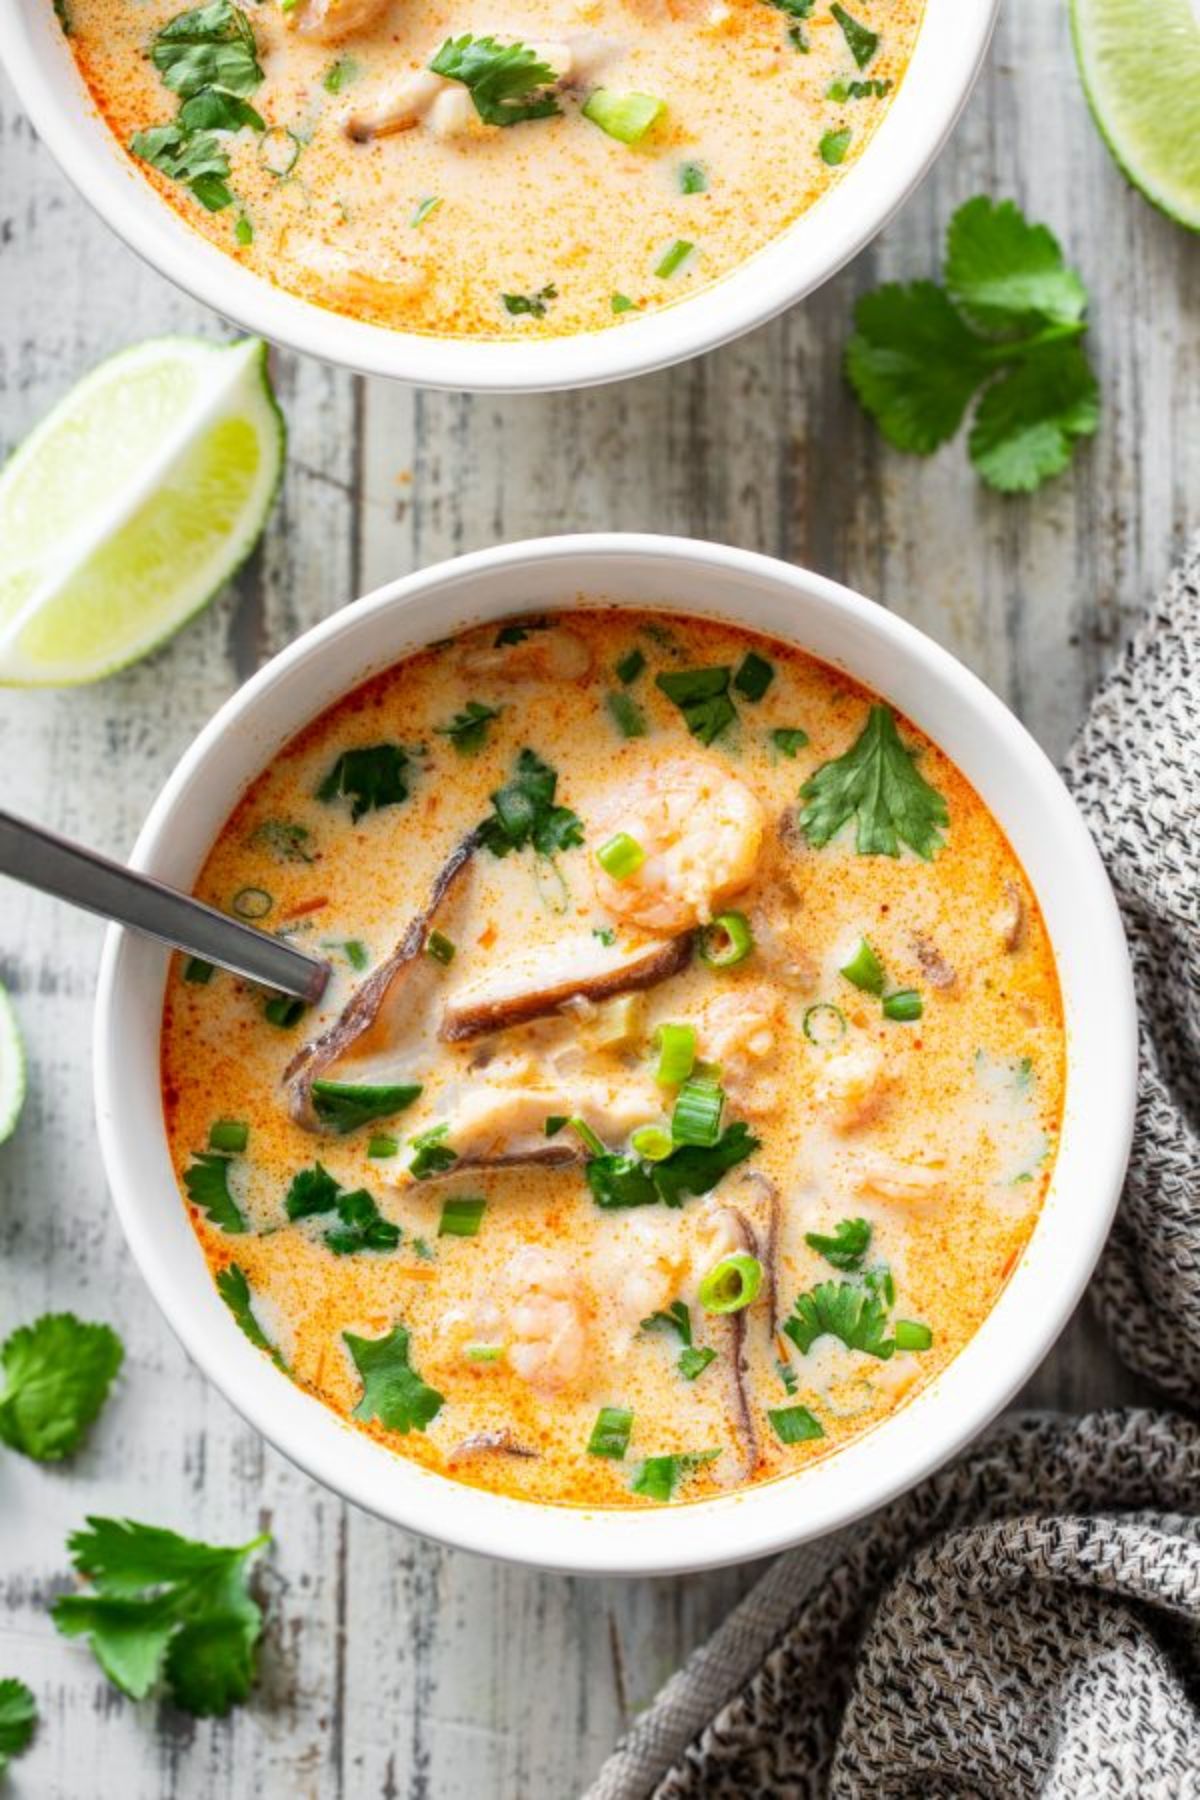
x,y
131,504
1140,62
12,1068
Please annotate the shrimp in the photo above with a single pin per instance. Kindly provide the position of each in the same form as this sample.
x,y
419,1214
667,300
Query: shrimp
x,y
909,1183
854,1087
701,830
444,107
327,21
549,1320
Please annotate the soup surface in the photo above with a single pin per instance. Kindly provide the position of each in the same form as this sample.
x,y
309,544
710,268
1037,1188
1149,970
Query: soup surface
x,y
688,1083
563,167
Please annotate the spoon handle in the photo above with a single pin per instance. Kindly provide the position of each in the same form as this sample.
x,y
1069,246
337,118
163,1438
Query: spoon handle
x,y
69,872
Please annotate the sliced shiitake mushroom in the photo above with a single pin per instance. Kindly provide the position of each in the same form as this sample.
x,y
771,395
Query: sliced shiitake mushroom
x,y
539,980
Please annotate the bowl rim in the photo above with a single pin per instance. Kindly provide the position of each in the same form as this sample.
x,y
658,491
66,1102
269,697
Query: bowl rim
x,y
1030,1311
951,44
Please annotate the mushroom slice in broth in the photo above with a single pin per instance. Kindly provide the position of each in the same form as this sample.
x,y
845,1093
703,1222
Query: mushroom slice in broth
x,y
539,979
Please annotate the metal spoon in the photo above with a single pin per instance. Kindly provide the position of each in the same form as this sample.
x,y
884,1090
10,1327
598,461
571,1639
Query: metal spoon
x,y
69,872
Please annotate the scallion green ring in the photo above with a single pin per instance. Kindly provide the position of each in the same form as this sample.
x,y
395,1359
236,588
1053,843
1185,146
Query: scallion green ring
x,y
726,941
731,1284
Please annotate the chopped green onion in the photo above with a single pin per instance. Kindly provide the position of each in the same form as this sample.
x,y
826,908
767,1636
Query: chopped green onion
x,y
824,1023
228,1134
904,1006
834,145
621,303
196,970
627,715
338,74
658,1476
795,1424
678,254
697,1115
252,903
864,969
754,676
692,178
431,1155
356,954
630,666
279,150
731,1284
346,1105
610,1433
555,1123
440,948
243,230
591,1143
382,1145
726,941
676,1046
652,1142
910,1334
694,1360
484,1353
626,117
425,210
461,1217
788,739
621,857
283,1011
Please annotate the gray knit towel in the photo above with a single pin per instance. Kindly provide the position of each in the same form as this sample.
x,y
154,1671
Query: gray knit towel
x,y
1027,1622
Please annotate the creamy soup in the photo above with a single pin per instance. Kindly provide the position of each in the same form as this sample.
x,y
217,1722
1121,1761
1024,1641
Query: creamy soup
x,y
557,168
688,1081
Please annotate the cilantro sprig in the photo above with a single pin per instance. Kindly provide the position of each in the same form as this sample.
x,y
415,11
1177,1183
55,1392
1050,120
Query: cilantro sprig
x,y
234,1290
165,1607
370,777
506,82
1006,326
18,1719
57,1373
854,1311
361,1226
693,1358
878,784
393,1392
618,1181
524,812
209,57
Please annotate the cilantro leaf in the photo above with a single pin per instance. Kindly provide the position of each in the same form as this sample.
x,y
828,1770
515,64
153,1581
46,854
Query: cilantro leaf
x,y
194,158
677,1318
848,1245
370,777
1006,326
702,696
659,1476
312,1191
877,782
207,1183
432,1155
18,1719
393,1392
234,1290
210,46
165,1605
502,79
57,1373
854,1311
523,812
624,1181
284,839
529,305
863,42
1001,271
467,730
362,1226
348,1105
1027,424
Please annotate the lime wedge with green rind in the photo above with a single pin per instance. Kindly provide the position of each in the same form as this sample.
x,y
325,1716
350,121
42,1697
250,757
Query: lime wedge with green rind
x,y
1140,62
12,1068
130,506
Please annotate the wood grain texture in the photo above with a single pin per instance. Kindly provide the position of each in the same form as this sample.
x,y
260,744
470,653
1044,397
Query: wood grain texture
x,y
394,1668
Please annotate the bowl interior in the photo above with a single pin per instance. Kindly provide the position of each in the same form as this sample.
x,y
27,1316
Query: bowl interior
x,y
947,56
1014,779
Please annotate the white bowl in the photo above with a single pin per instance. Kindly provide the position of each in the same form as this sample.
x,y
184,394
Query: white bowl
x,y
947,56
1015,780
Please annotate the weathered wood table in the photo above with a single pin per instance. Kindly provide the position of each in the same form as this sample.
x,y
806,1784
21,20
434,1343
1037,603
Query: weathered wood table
x,y
393,1667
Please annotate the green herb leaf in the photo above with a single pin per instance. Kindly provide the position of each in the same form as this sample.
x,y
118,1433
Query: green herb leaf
x,y
610,1433
677,1318
530,305
213,110
210,46
693,1362
462,1216
630,666
18,1719
432,1155
467,730
348,1105
659,1476
702,696
312,1191
862,41
339,74
502,79
627,715
57,1373
621,303
524,812
286,840
361,1226
854,1311
755,675
878,783
1006,274
915,364
692,178
624,1181
371,777
234,1290
674,258
165,1605
207,1183
789,740
834,145
795,1424
197,159
1027,424
848,1245
393,1392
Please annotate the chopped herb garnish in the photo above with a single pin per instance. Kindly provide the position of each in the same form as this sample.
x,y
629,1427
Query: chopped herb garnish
x,y
623,1181
605,933
356,954
462,1216
858,90
824,1024
208,57
676,1046
432,1155
165,1606
626,117
209,47
854,1311
862,41
877,783
726,941
285,839
197,971
555,1123
18,1708
207,1183
621,303
863,968
904,1006
362,1226
702,696
441,948
422,1249
347,1105
621,856
311,1191
834,145
674,258
251,903
846,1247
732,1284
425,210
755,675
795,1424
57,1373
339,74
610,1433
382,1146
234,1290
517,634
503,79
697,1115
467,730
393,1392
797,11
195,158
524,812
530,305
627,715
694,1361
911,1335
630,666
228,1134
692,178
659,1476
789,740
371,777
